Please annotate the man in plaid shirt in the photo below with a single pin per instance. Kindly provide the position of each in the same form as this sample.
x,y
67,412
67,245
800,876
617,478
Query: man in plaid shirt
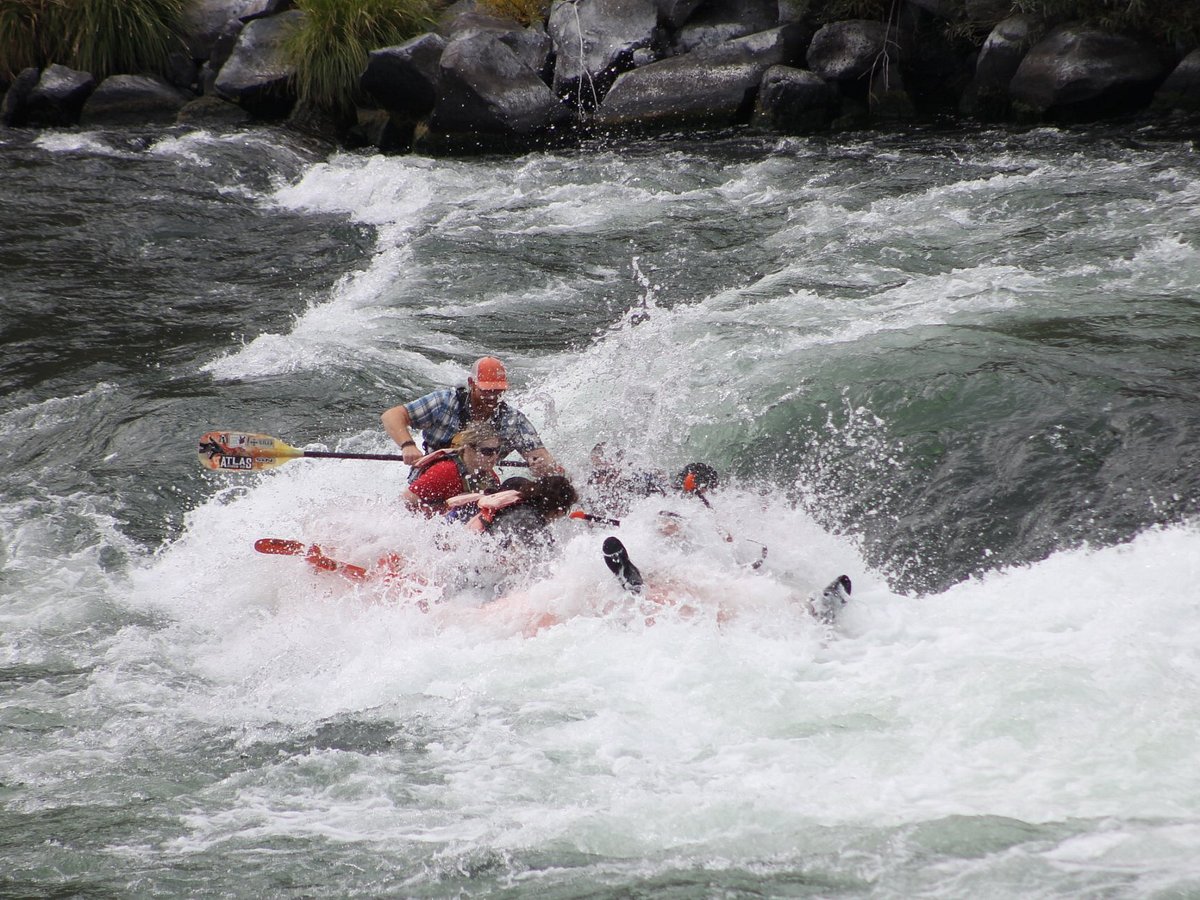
x,y
442,414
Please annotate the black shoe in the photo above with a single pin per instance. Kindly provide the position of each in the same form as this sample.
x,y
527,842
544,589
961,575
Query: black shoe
x,y
616,557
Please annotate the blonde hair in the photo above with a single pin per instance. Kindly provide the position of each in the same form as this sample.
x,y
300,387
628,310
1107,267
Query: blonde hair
x,y
474,434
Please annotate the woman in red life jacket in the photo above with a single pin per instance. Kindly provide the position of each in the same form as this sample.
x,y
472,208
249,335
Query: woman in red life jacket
x,y
468,467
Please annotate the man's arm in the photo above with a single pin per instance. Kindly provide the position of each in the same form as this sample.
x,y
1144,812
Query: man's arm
x,y
397,424
541,463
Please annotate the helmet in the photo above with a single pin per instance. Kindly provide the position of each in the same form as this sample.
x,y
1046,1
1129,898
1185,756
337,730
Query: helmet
x,y
697,477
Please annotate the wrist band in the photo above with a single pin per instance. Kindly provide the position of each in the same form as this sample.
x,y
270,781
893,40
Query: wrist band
x,y
408,444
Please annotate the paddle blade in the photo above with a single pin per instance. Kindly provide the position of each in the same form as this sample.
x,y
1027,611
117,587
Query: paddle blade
x,y
236,451
280,547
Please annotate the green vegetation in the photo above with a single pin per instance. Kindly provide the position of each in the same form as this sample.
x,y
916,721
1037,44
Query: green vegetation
x,y
20,36
104,37
107,37
330,48
838,10
526,12
1163,20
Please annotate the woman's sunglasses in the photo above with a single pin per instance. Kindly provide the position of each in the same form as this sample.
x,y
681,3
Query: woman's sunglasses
x,y
486,451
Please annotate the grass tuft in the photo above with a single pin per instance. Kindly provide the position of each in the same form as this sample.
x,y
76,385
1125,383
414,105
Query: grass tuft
x,y
1161,20
21,35
109,37
329,50
524,12
104,37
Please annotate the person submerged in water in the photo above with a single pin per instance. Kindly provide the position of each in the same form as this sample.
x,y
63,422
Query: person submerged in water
x,y
663,593
522,510
613,486
513,519
468,466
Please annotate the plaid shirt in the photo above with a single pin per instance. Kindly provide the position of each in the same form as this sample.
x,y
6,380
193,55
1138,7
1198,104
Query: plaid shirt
x,y
442,414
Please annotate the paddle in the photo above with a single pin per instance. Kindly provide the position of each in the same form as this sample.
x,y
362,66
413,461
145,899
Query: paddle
x,y
588,517
312,555
236,451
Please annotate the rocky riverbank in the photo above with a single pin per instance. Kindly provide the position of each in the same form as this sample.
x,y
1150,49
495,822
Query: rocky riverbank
x,y
482,83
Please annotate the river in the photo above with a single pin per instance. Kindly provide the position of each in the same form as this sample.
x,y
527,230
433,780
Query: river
x,y
960,367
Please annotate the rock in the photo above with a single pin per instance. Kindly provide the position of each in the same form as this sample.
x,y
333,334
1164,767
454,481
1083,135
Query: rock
x,y
448,16
132,100
182,72
1078,73
325,125
950,10
595,41
851,50
1181,90
715,23
531,45
794,101
887,98
488,97
792,11
376,128
989,11
213,111
264,9
674,13
204,20
987,96
715,86
220,53
257,76
14,111
58,96
403,80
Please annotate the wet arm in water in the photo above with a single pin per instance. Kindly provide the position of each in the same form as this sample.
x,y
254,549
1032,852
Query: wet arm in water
x,y
541,463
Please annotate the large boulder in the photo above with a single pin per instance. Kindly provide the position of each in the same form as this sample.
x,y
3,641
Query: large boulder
x,y
221,50
1181,90
257,75
487,97
531,45
14,111
449,16
673,13
851,50
597,40
999,58
794,101
714,86
58,96
403,80
132,100
204,20
716,23
1080,73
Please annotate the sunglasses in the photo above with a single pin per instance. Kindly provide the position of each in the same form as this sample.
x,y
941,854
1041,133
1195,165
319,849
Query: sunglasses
x,y
486,451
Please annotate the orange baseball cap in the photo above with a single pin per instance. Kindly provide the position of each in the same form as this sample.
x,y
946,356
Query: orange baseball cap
x,y
488,374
